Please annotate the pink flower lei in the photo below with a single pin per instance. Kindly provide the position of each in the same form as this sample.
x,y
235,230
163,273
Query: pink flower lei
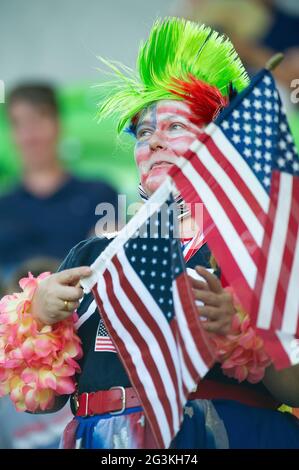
x,y
37,362
241,352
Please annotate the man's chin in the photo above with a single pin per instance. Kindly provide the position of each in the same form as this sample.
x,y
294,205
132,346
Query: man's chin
x,y
152,184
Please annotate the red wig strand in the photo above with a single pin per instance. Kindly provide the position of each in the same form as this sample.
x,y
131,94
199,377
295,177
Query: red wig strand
x,y
205,100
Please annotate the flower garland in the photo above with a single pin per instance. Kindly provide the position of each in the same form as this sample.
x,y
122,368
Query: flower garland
x,y
37,362
241,352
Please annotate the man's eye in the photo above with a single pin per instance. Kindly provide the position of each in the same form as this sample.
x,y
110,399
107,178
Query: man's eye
x,y
176,126
143,133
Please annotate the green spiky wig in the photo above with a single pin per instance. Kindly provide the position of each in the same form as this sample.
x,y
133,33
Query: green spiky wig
x,y
176,54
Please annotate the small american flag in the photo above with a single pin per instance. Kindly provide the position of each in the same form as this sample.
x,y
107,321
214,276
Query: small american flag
x,y
146,301
229,169
103,342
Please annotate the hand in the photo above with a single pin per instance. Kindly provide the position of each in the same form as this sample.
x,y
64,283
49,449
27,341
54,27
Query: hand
x,y
57,296
218,308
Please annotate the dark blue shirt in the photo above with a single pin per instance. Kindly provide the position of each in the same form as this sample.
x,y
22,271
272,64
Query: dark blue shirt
x,y
32,226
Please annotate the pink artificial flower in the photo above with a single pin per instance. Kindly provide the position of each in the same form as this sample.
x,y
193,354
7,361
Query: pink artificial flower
x,y
241,352
37,362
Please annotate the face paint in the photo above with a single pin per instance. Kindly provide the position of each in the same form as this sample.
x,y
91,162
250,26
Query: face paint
x,y
164,131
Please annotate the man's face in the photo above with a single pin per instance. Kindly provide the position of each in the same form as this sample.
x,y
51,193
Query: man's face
x,y
35,131
164,131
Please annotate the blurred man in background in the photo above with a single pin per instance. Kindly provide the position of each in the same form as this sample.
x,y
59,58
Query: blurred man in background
x,y
50,211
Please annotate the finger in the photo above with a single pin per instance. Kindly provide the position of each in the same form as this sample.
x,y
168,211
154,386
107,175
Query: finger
x,y
207,297
214,327
213,282
70,293
211,313
53,318
73,275
67,307
197,284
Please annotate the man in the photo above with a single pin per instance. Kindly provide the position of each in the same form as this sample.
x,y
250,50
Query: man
x,y
179,90
50,210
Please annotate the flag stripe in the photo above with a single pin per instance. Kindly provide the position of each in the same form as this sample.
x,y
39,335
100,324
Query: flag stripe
x,y
191,318
185,364
161,333
154,334
288,321
142,336
292,298
291,317
200,367
241,261
151,313
231,202
275,254
221,219
223,175
241,167
260,275
188,371
100,347
127,349
217,244
104,340
234,169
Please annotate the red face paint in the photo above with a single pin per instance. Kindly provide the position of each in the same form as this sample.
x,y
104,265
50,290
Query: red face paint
x,y
164,130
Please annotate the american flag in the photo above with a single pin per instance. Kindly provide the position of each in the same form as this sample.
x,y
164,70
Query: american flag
x,y
145,299
103,341
229,169
276,301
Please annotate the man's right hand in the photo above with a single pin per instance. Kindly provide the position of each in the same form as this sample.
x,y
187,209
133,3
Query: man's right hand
x,y
58,295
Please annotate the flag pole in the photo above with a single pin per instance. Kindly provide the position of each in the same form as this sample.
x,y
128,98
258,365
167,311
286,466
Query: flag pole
x,y
274,61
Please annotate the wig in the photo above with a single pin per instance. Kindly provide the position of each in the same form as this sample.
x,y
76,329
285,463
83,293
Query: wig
x,y
180,60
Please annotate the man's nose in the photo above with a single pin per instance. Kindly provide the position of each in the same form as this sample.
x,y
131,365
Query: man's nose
x,y
157,141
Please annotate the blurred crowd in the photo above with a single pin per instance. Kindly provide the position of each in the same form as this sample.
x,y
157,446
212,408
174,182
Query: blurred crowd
x,y
50,210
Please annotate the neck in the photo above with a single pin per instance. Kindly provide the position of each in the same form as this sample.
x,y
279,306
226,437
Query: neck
x,y
44,181
188,227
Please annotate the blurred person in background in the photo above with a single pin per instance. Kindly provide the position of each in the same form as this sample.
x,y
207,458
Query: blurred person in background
x,y
26,430
50,210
